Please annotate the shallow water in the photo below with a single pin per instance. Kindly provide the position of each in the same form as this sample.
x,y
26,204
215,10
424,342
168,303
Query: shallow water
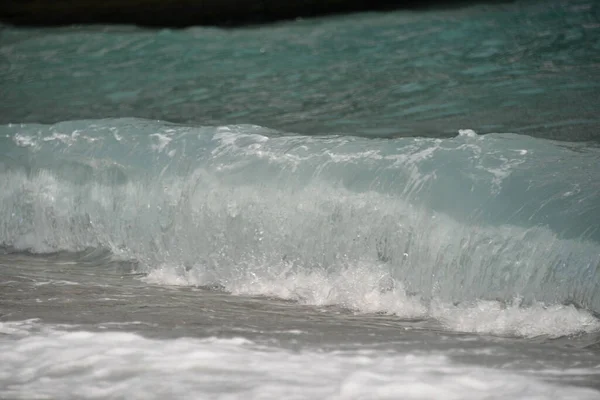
x,y
398,205
106,333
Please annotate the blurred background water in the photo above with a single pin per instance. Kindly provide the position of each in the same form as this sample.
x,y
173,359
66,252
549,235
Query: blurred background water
x,y
527,67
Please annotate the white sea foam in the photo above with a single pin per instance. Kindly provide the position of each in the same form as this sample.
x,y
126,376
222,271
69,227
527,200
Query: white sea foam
x,y
363,289
467,133
24,140
494,317
51,363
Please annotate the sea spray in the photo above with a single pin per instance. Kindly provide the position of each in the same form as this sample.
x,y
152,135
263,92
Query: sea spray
x,y
250,209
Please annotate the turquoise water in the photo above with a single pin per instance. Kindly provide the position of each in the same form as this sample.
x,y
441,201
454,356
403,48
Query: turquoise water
x,y
376,205
527,67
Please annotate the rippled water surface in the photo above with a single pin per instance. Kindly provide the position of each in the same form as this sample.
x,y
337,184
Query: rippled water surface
x,y
530,67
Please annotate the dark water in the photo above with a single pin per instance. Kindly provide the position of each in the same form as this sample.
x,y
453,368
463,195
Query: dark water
x,y
378,205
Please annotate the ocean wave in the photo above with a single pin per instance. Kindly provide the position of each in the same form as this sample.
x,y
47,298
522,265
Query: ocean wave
x,y
467,219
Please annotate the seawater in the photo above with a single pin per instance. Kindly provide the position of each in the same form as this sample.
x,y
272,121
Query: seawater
x,y
378,205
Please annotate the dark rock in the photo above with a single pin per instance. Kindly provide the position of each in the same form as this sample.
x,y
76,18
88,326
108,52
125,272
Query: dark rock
x,y
181,13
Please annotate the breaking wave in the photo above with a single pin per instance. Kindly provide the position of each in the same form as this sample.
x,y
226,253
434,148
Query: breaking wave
x,y
500,225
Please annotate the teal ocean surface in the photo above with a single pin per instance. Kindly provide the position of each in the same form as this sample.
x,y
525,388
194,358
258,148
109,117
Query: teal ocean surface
x,y
400,205
523,67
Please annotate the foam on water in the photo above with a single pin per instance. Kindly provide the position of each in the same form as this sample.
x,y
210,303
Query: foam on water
x,y
499,318
41,361
365,289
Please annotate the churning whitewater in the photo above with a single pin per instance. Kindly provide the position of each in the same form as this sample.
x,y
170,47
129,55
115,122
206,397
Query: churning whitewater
x,y
85,365
495,234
